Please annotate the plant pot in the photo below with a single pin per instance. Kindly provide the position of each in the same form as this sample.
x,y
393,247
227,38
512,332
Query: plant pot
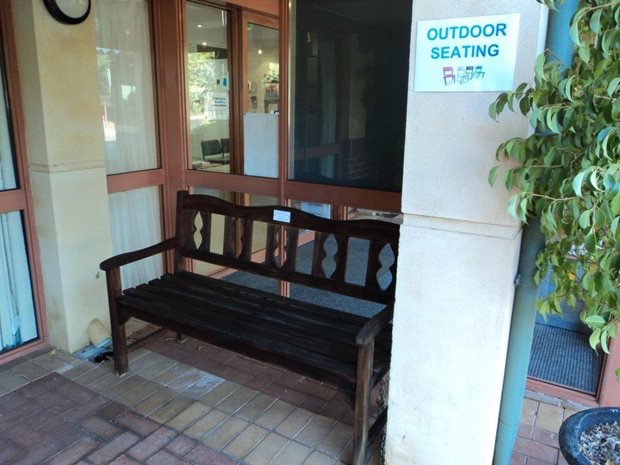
x,y
571,431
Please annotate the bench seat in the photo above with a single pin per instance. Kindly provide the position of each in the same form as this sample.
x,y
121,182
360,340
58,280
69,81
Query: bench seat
x,y
313,340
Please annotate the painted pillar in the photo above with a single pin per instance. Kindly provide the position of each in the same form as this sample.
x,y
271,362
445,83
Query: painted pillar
x,y
457,264
58,78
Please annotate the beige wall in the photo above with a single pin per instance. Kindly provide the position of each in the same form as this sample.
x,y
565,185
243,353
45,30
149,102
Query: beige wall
x,y
58,76
458,259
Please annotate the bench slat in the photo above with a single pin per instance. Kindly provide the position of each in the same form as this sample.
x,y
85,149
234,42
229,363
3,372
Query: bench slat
x,y
271,250
278,309
292,241
246,240
341,258
205,231
215,313
318,254
239,334
339,320
288,320
230,237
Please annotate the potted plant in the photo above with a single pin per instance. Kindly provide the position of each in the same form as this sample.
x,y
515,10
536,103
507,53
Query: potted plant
x,y
566,173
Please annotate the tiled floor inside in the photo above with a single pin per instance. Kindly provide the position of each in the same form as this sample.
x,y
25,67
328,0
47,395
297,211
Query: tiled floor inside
x,y
191,403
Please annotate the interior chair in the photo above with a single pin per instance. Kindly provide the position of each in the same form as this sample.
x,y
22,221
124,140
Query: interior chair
x,y
211,150
225,150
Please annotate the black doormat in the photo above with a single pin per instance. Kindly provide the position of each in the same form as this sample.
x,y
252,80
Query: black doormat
x,y
564,357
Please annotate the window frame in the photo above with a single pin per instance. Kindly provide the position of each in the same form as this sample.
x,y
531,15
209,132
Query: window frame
x,y
20,199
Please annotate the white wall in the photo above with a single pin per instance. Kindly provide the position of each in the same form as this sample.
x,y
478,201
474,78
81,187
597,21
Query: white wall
x,y
58,79
457,262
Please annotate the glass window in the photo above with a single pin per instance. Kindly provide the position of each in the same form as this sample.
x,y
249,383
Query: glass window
x,y
18,323
135,219
349,93
208,92
125,72
8,179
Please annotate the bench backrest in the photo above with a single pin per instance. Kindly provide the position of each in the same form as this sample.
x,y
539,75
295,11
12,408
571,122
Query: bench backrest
x,y
330,270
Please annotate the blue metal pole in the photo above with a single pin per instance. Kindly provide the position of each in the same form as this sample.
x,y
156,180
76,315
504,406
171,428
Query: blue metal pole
x,y
526,293
519,344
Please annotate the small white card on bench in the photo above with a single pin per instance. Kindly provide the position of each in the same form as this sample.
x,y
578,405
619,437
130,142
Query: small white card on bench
x,y
281,215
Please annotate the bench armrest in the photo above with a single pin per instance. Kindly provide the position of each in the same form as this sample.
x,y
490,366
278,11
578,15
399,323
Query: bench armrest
x,y
130,257
374,326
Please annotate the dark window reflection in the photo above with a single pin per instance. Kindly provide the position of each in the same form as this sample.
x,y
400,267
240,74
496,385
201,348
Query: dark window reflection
x,y
350,95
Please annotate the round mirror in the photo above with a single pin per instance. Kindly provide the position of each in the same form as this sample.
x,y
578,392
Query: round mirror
x,y
68,11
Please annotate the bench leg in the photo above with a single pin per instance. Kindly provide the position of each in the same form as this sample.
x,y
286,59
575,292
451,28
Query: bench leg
x,y
362,403
119,342
119,347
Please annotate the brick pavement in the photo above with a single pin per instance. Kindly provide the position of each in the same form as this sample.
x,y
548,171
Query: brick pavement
x,y
191,404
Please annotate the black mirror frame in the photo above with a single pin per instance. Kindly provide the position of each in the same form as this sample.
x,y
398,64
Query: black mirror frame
x,y
59,15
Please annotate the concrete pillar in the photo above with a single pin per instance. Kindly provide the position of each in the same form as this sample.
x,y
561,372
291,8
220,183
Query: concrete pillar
x,y
58,78
457,262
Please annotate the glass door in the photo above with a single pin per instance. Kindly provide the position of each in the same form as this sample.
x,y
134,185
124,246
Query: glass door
x,y
208,88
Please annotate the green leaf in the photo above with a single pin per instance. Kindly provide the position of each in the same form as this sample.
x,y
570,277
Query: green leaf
x,y
522,209
584,53
578,182
595,338
615,204
493,110
584,219
539,67
614,225
618,375
595,21
513,204
590,242
595,321
613,85
573,33
552,120
493,175
604,338
524,105
521,88
594,180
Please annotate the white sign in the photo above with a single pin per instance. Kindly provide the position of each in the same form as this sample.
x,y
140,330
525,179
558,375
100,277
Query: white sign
x,y
466,54
282,216
217,106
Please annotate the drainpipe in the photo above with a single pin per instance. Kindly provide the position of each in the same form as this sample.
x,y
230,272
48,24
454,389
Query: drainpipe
x,y
526,293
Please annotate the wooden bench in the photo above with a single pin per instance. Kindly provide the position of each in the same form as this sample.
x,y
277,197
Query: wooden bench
x,y
345,350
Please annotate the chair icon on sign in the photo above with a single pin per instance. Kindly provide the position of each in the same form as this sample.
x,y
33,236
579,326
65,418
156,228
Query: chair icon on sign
x,y
478,73
448,73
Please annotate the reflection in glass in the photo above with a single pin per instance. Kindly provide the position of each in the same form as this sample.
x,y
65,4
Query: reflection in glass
x,y
208,93
263,69
125,73
260,121
18,323
349,93
8,179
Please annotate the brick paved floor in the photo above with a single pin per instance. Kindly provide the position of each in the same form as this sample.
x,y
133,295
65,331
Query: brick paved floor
x,y
191,403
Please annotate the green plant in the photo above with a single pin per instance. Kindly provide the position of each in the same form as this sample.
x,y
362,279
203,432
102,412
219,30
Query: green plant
x,y
567,173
